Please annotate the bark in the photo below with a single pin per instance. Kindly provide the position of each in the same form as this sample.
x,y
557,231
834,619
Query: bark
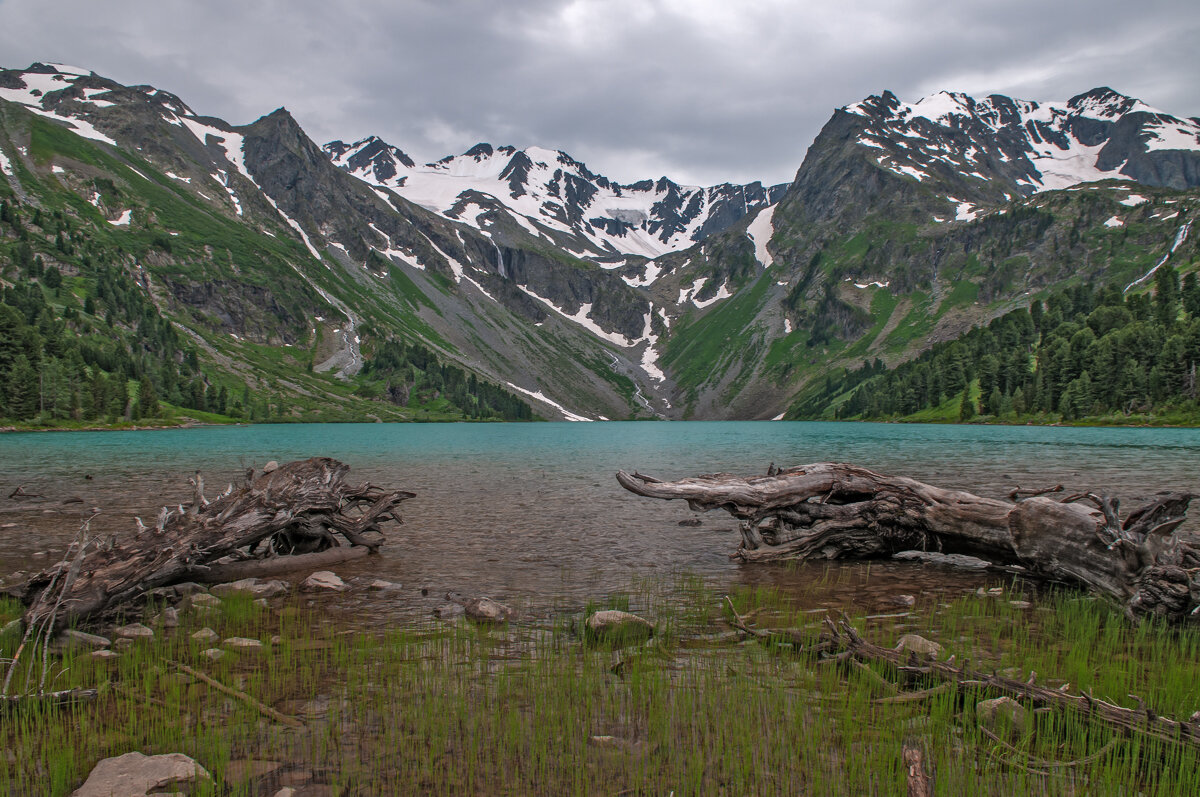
x,y
838,511
304,506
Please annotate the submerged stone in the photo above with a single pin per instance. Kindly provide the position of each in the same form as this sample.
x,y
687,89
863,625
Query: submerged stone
x,y
254,587
618,626
135,631
324,580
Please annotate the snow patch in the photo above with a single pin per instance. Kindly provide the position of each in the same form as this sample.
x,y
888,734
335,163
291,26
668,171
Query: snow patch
x,y
174,176
6,164
760,231
722,293
1114,221
583,318
56,169
570,416
122,220
1173,136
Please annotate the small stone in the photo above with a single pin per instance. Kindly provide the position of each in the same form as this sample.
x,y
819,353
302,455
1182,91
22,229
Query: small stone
x,y
1021,604
73,638
1001,715
215,654
277,639
262,603
206,635
324,580
40,555
271,467
169,617
615,625
138,774
691,522
123,643
919,645
906,601
135,631
243,644
286,791
996,592
202,600
380,585
12,627
105,654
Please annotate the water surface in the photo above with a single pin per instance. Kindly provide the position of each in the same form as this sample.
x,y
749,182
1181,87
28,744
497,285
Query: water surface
x,y
531,513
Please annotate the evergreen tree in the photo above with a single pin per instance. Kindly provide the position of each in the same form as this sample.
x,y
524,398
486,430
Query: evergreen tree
x,y
147,402
966,407
22,389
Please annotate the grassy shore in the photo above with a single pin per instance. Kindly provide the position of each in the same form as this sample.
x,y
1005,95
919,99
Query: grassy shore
x,y
533,708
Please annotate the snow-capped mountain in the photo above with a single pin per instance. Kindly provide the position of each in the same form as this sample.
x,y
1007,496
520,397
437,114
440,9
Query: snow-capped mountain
x,y
550,194
998,147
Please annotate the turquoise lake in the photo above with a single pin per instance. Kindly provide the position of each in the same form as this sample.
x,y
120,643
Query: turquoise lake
x,y
531,513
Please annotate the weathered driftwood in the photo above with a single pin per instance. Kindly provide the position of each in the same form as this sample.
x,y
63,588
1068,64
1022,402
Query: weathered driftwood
x,y
838,511
302,507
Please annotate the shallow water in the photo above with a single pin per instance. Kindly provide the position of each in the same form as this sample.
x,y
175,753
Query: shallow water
x,y
531,513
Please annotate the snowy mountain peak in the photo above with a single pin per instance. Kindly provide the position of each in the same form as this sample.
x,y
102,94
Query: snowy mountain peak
x,y
552,195
1022,146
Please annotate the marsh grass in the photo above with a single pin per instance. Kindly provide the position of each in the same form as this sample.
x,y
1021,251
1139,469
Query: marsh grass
x,y
534,708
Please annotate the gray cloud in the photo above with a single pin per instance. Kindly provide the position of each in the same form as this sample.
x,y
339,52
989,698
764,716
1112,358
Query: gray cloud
x,y
701,90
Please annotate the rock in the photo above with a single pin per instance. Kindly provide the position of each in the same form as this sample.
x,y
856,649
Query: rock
x,y
1021,604
483,609
169,617
215,654
271,467
253,587
134,774
242,644
205,635
380,585
617,626
919,645
907,601
202,600
14,627
1001,715
286,791
135,631
249,769
123,643
691,522
324,580
262,603
105,654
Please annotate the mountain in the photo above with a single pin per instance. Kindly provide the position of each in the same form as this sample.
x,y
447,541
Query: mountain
x,y
555,197
350,278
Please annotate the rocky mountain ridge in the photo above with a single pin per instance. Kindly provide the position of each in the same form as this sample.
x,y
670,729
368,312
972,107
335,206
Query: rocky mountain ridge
x,y
596,300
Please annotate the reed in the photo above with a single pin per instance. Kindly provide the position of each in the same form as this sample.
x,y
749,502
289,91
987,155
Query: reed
x,y
534,708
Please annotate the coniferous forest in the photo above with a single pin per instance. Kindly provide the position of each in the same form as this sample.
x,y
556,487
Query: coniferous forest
x,y
1081,353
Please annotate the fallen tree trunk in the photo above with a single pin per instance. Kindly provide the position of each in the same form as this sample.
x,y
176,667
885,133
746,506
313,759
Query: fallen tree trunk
x,y
302,507
838,511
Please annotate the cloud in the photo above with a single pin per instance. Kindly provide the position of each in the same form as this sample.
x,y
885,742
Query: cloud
x,y
701,90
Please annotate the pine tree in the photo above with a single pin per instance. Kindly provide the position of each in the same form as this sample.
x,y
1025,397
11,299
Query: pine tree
x,y
22,389
147,402
966,407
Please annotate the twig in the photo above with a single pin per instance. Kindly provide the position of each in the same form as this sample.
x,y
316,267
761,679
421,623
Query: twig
x,y
262,708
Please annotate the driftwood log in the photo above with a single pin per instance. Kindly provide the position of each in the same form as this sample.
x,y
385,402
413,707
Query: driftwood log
x,y
838,511
295,512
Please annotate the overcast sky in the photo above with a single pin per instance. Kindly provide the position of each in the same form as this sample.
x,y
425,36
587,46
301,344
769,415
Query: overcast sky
x,y
703,91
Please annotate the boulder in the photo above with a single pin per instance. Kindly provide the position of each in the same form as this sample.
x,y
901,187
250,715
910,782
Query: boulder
x,y
1002,716
919,645
380,585
482,609
135,631
202,600
205,635
72,638
253,587
134,774
324,580
213,654
618,626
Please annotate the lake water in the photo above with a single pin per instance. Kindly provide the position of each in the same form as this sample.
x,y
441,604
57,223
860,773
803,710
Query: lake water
x,y
531,513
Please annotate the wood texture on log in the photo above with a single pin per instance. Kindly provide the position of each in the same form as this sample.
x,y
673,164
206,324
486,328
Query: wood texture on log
x,y
837,511
243,522
276,565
